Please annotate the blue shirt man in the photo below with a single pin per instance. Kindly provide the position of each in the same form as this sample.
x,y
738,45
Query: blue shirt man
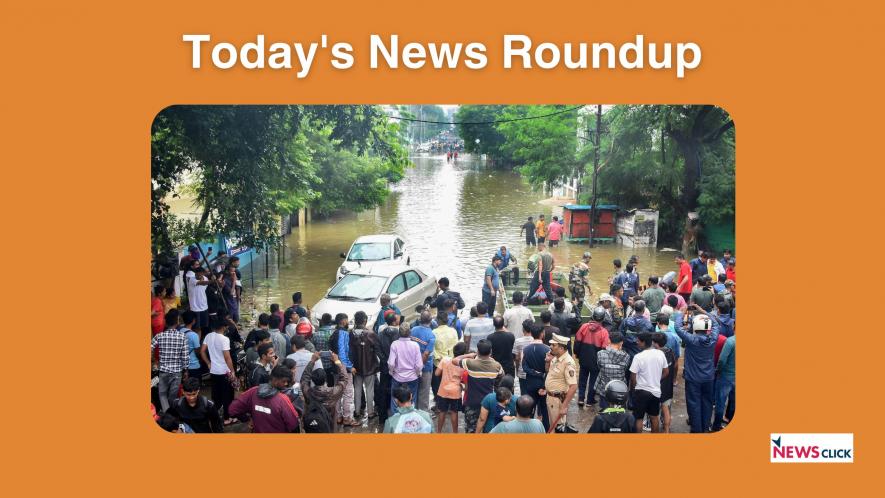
x,y
699,370
699,348
491,272
425,338
344,348
506,257
698,268
193,345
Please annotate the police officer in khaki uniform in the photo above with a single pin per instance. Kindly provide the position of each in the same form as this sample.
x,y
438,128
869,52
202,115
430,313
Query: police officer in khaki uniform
x,y
561,382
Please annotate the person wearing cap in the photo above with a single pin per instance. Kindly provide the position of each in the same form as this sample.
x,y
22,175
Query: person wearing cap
x,y
561,382
607,302
577,280
728,293
491,284
615,419
386,305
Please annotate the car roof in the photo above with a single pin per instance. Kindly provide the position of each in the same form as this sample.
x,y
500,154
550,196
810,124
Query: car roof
x,y
377,238
384,270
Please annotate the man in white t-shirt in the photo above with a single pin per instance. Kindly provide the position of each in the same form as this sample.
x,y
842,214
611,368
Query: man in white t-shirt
x,y
478,327
514,317
646,371
215,351
196,296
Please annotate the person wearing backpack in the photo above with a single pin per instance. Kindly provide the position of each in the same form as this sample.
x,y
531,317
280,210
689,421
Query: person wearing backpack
x,y
407,419
614,419
364,347
445,293
271,411
316,392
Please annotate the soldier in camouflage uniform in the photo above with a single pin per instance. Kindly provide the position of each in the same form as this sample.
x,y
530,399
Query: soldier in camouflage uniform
x,y
577,280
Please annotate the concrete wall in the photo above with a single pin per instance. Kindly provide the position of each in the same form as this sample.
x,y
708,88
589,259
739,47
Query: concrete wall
x,y
638,228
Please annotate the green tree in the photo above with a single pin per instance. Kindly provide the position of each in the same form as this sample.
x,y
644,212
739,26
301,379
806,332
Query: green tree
x,y
652,156
251,164
476,126
543,147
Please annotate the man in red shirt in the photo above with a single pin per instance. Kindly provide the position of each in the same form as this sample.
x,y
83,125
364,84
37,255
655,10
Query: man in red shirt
x,y
720,342
683,280
730,271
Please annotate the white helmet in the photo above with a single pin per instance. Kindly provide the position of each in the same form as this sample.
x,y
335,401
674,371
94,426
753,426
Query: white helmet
x,y
701,323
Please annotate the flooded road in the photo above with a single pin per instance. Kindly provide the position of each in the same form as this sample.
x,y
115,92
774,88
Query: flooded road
x,y
453,216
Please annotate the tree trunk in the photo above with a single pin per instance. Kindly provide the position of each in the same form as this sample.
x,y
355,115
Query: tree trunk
x,y
691,155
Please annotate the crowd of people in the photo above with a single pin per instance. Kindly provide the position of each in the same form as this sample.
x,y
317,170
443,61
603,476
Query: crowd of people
x,y
509,372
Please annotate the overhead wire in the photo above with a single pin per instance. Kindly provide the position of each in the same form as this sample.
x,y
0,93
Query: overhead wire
x,y
496,121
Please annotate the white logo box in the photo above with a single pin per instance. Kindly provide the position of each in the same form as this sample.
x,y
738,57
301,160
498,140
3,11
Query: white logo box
x,y
811,447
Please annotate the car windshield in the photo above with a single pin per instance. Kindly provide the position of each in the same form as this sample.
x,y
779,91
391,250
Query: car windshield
x,y
358,288
369,251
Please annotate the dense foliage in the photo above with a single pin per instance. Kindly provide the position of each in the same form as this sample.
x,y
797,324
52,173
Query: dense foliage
x,y
247,165
674,159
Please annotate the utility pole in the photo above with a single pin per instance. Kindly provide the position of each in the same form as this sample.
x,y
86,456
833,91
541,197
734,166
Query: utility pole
x,y
595,175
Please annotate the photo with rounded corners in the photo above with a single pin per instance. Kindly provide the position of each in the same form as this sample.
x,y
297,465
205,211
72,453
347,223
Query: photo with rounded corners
x,y
443,269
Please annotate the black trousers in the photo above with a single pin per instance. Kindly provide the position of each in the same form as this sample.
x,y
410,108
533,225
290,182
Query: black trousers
x,y
222,393
382,396
530,386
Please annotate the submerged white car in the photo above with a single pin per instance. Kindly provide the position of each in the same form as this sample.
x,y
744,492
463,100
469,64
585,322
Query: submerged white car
x,y
360,290
370,250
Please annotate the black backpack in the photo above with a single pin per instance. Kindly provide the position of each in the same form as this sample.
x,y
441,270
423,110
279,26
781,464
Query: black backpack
x,y
616,423
317,419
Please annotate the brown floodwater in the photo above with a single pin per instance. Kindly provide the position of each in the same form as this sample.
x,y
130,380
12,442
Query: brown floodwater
x,y
453,216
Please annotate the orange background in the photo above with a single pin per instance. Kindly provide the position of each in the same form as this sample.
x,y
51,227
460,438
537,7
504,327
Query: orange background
x,y
83,82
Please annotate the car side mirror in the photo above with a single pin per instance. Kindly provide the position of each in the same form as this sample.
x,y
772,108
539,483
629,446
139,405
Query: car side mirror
x,y
398,255
344,255
393,297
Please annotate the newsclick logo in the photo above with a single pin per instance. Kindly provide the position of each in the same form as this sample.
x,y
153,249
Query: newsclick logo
x,y
812,448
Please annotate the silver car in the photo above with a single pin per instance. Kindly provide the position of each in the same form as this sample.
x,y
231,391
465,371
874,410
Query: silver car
x,y
373,250
361,289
